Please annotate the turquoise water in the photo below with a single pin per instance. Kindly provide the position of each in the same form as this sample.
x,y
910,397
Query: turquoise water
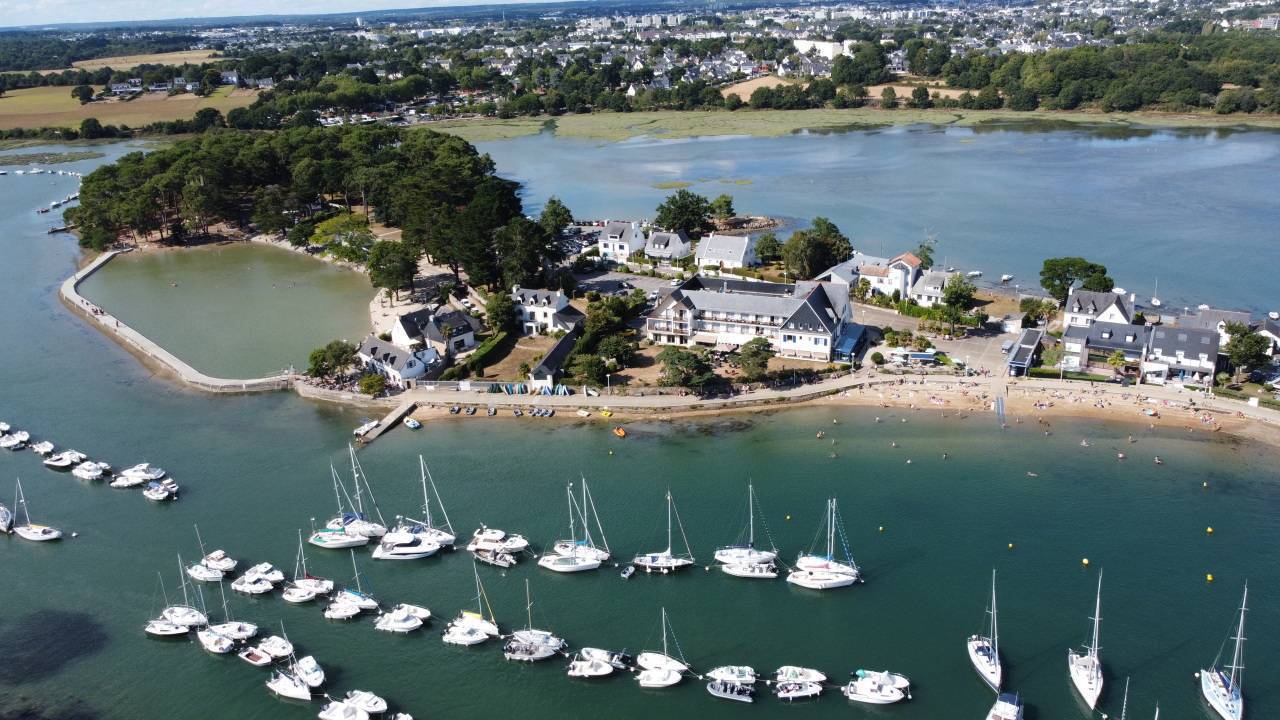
x,y
255,469
1189,208
234,310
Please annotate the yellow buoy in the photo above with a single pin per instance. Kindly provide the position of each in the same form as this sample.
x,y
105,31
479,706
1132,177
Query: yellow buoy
x,y
1209,530
881,528
1084,561
1010,546
1208,577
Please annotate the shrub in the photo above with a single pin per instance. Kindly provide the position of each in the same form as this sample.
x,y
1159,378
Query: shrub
x,y
877,358
372,384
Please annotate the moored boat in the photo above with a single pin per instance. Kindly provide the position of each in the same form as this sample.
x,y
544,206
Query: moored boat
x,y
666,561
1222,687
984,650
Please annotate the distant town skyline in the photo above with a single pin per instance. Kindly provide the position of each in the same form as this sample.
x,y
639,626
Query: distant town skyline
x,y
25,13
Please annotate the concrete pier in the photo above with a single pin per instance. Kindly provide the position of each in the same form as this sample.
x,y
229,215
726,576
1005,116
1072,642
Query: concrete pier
x,y
391,420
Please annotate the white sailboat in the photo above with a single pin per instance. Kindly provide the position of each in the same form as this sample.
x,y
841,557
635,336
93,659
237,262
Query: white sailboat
x,y
230,628
472,628
184,614
568,556
357,522
1220,686
665,561
984,650
586,546
825,572
747,554
22,525
1086,668
162,626
288,685
530,644
414,539
304,587
348,603
336,535
1155,295
660,670
200,571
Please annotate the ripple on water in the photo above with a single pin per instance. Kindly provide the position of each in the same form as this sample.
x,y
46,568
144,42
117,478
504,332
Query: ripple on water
x,y
26,710
39,645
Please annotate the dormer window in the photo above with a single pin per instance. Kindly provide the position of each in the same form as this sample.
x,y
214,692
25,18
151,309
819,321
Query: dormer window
x,y
1106,334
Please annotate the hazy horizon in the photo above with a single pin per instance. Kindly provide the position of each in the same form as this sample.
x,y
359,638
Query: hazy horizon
x,y
26,13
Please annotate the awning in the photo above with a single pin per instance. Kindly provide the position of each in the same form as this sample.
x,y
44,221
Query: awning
x,y
704,338
725,347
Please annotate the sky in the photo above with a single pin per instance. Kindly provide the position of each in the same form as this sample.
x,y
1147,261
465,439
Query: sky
x,y
39,12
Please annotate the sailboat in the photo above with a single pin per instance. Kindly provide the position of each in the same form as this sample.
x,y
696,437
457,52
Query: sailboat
x,y
665,561
162,626
356,522
348,603
1223,689
659,670
339,537
414,539
984,650
22,524
737,559
824,572
304,587
1124,704
288,685
1155,295
472,628
230,628
530,644
587,545
184,614
200,571
1086,668
573,559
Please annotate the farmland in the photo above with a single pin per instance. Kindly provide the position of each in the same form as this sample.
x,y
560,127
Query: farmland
x,y
54,107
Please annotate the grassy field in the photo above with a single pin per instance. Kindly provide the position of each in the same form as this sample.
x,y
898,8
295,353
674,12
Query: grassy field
x,y
746,87
48,158
125,62
767,123
54,107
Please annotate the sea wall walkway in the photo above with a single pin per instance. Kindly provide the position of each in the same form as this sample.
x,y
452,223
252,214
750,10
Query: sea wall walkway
x,y
138,342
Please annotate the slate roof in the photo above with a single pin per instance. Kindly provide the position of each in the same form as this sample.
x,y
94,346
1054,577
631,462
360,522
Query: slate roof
x,y
1208,318
724,248
1089,302
555,357
530,296
1112,337
391,356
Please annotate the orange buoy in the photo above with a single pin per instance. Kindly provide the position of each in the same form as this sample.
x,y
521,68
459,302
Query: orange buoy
x,y
1209,530
617,430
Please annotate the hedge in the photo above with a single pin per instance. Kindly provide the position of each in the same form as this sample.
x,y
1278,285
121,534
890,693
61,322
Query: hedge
x,y
477,358
1052,374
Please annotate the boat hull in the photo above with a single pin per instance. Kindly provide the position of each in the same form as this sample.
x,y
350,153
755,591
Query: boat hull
x,y
985,661
1086,676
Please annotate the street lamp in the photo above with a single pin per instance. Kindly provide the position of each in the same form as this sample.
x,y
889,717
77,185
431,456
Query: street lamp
x,y
608,378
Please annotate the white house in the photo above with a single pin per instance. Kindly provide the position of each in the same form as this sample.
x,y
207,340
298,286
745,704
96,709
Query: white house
x,y
725,252
885,275
1177,354
544,310
668,246
1086,307
448,332
1271,331
400,366
927,289
619,239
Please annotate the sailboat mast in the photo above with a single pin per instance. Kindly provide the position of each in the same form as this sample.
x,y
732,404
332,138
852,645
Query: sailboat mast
x,y
528,607
447,524
199,541
355,476
664,632
183,577
357,571
1097,618
568,493
426,501
337,496
668,530
1237,654
751,517
1124,705
995,625
831,528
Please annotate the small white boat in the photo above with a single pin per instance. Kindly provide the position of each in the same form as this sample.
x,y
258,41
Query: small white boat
x,y
737,674
215,642
1006,278
336,539
1008,707
6,519
763,571
659,670
1221,686
530,644
42,448
1086,668
340,710
254,656
15,441
984,650
797,674
472,627
658,678
160,627
341,610
412,424
286,684
732,691
204,573
276,646
21,521
309,671
144,471
1155,295
90,470
792,690
665,561
366,701
252,585
497,558
161,491
297,595
365,428
581,667
398,620
487,538
873,692
124,482
186,613
235,630
266,571
219,560
65,460
974,273
748,553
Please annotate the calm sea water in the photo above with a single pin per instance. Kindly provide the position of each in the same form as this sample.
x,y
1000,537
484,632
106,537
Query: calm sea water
x,y
1190,209
255,469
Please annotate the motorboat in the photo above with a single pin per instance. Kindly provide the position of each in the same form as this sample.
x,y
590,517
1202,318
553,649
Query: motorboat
x,y
872,691
732,691
1221,686
276,646
65,460
412,424
398,620
21,521
286,684
763,571
472,627
42,448
235,630
305,587
336,539
581,667
15,441
123,482
487,538
583,550
404,543
737,674
974,273
6,519
341,610
665,561
341,710
309,671
366,701
266,571
161,490
254,656
797,674
1085,667
144,471
204,573
530,644
658,678
747,553
417,611
984,650
219,560
1008,707
214,642
90,470
823,571
160,627
791,690
884,677
619,660
252,585
497,558
1006,278
365,428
